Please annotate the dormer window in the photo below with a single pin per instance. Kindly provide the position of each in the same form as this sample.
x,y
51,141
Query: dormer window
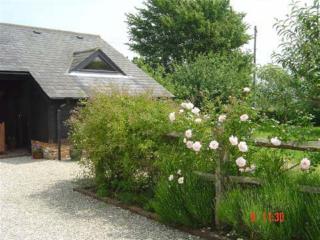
x,y
99,64
94,61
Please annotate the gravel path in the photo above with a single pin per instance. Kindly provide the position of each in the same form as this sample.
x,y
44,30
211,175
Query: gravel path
x,y
37,202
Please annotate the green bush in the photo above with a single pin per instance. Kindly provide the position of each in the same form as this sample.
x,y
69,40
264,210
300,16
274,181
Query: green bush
x,y
280,96
212,76
120,136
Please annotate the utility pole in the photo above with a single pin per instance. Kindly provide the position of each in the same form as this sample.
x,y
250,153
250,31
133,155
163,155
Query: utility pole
x,y
255,57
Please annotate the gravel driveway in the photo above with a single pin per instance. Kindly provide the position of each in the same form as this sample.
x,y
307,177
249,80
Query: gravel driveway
x,y
37,202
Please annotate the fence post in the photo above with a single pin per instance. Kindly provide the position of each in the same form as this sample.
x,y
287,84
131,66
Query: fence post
x,y
218,191
219,182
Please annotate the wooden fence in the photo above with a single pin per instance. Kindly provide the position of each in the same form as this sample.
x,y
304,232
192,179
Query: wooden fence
x,y
220,179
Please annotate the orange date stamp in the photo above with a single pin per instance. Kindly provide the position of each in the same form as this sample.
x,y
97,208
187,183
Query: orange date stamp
x,y
268,217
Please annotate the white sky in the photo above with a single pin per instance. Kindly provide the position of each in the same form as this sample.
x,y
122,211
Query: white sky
x,y
107,18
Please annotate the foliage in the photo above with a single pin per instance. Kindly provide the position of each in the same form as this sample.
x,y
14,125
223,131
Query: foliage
x,y
278,94
212,76
300,49
272,198
166,31
188,204
126,149
36,148
157,72
120,136
278,195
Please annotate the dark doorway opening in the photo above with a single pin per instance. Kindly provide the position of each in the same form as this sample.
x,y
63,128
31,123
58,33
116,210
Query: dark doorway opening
x,y
15,110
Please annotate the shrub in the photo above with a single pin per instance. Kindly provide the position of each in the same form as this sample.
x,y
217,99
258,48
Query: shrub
x,y
211,76
120,135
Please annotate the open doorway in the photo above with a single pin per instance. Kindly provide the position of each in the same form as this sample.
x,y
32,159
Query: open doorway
x,y
14,111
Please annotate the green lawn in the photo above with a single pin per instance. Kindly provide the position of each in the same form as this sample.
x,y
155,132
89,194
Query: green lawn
x,y
295,156
310,134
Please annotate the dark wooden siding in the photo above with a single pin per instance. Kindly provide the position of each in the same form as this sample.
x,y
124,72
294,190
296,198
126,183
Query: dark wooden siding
x,y
39,114
66,106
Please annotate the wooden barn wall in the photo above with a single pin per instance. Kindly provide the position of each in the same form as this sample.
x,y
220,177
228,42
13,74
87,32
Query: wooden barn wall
x,y
38,114
65,113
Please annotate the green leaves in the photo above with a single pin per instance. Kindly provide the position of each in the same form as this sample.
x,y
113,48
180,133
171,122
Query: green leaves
x,y
300,49
211,76
280,95
167,32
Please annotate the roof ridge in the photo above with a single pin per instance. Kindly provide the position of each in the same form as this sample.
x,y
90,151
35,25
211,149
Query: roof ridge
x,y
47,29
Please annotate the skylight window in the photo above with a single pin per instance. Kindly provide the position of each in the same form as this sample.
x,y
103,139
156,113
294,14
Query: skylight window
x,y
98,64
94,61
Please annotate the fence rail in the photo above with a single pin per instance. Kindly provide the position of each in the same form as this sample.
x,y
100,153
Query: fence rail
x,y
310,146
253,181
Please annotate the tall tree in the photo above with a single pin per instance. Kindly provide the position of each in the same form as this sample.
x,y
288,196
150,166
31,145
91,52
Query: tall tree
x,y
300,49
167,31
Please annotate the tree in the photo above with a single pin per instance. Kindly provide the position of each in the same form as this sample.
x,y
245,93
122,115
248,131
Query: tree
x,y
300,49
211,76
278,95
167,32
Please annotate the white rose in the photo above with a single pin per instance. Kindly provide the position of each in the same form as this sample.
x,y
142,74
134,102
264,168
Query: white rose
x,y
244,117
198,120
222,118
195,111
196,146
172,116
170,178
179,172
181,111
184,140
189,144
189,106
305,164
241,162
243,147
188,133
246,89
275,141
180,180
213,145
184,105
233,140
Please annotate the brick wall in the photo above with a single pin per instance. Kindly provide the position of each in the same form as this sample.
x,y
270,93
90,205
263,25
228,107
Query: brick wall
x,y
50,150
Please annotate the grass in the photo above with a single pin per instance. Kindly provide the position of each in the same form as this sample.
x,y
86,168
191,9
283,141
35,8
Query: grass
x,y
310,134
294,156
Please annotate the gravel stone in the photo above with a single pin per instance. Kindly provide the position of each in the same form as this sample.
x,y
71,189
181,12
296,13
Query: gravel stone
x,y
37,202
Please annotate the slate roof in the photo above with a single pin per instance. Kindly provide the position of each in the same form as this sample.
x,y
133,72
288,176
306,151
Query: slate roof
x,y
49,55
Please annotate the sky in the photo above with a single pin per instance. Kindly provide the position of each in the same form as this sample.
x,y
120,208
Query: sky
x,y
107,18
